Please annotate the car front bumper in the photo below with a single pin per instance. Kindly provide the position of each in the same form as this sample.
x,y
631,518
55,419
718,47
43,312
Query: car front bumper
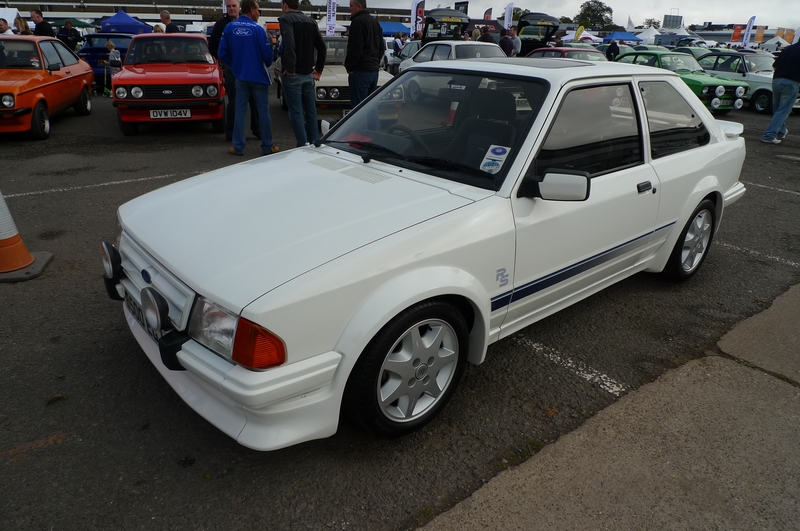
x,y
15,120
139,111
262,410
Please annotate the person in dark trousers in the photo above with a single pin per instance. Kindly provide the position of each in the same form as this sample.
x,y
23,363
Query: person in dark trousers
x,y
300,38
365,47
169,26
231,13
785,85
69,35
43,28
612,51
506,43
244,47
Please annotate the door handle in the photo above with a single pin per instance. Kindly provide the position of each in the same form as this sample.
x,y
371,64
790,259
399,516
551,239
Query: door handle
x,y
643,187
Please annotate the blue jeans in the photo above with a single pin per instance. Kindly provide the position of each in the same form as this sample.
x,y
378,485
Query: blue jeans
x,y
230,90
362,84
244,90
784,94
298,90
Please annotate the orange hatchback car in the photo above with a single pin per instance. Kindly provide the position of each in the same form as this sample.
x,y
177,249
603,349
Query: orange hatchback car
x,y
39,77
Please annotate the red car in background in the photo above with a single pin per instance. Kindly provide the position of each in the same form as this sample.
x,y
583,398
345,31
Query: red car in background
x,y
584,54
39,77
168,78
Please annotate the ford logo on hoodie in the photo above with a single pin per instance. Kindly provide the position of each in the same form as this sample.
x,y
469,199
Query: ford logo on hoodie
x,y
242,32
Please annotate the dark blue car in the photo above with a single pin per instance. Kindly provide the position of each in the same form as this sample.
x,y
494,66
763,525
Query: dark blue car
x,y
95,53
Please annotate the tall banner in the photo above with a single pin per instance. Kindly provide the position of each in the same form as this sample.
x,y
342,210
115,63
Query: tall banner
x,y
331,22
487,15
508,22
737,32
630,26
578,33
760,33
417,15
747,31
795,37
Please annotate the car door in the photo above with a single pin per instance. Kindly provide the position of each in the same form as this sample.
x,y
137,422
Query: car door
x,y
567,250
73,81
57,89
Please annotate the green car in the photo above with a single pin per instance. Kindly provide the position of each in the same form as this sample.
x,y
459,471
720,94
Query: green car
x,y
719,95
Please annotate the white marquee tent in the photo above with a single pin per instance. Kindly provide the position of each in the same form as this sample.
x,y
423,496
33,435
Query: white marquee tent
x,y
585,36
648,35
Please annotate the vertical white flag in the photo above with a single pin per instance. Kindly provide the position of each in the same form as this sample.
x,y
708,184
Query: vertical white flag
x,y
630,26
509,15
796,38
331,23
747,31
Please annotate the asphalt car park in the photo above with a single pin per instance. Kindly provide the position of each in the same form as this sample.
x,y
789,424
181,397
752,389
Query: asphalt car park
x,y
92,437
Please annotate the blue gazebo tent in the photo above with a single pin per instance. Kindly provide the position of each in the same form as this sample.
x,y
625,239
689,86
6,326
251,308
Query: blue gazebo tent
x,y
124,23
621,36
390,28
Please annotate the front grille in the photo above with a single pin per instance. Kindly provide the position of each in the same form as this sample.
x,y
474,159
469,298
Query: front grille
x,y
135,260
162,92
344,96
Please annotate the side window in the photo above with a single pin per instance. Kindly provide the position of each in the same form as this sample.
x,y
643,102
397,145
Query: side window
x,y
50,55
596,130
626,59
424,55
674,126
67,58
707,62
441,52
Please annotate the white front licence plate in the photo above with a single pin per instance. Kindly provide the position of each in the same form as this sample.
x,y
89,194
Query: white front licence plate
x,y
170,113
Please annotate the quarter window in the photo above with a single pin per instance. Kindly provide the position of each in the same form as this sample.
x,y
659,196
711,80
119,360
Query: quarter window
x,y
51,57
67,58
674,126
596,131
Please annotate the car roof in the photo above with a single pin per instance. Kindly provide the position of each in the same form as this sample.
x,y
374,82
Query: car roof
x,y
460,43
555,69
169,36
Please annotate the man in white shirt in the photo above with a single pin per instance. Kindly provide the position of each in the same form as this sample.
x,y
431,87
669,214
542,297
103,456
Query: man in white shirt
x,y
4,29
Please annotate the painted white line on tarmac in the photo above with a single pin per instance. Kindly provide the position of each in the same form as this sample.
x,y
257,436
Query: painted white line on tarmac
x,y
605,382
758,254
772,188
98,185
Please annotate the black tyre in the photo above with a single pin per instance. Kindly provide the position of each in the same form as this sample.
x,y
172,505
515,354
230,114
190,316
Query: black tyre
x,y
127,128
40,122
218,126
692,247
409,371
282,98
83,107
415,93
761,102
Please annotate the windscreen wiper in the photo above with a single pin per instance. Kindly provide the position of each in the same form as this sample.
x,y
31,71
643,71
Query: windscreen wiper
x,y
444,164
359,144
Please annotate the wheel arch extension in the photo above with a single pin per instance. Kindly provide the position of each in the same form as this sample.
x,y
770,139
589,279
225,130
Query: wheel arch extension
x,y
440,283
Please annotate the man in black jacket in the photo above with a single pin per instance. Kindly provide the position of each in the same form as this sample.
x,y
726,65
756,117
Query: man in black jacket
x,y
300,37
365,47
231,13
69,35
43,28
613,50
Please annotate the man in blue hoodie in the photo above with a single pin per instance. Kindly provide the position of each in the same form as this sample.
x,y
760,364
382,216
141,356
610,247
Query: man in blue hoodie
x,y
244,48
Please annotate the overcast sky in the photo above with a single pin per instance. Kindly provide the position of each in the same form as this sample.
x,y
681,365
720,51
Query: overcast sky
x,y
772,13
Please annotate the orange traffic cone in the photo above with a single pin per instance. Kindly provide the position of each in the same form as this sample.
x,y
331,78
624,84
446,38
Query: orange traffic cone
x,y
16,263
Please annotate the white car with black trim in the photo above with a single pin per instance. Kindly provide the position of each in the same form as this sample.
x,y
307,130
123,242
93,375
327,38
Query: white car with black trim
x,y
357,277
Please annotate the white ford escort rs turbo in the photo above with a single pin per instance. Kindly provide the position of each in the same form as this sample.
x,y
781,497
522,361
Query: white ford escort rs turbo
x,y
357,277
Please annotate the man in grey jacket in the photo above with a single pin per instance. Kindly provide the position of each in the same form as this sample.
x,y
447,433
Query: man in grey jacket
x,y
300,37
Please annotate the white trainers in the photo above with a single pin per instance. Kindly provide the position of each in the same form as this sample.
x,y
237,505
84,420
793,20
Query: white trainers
x,y
781,137
773,141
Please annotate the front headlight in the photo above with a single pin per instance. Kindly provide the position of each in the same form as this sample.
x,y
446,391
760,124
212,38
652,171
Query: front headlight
x,y
335,93
322,93
212,90
398,93
197,91
235,339
740,92
121,92
137,92
8,100
705,90
213,327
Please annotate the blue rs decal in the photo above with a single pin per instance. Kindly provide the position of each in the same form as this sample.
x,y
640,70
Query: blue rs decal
x,y
566,273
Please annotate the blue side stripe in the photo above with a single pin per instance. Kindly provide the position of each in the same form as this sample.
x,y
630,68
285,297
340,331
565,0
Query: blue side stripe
x,y
568,272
